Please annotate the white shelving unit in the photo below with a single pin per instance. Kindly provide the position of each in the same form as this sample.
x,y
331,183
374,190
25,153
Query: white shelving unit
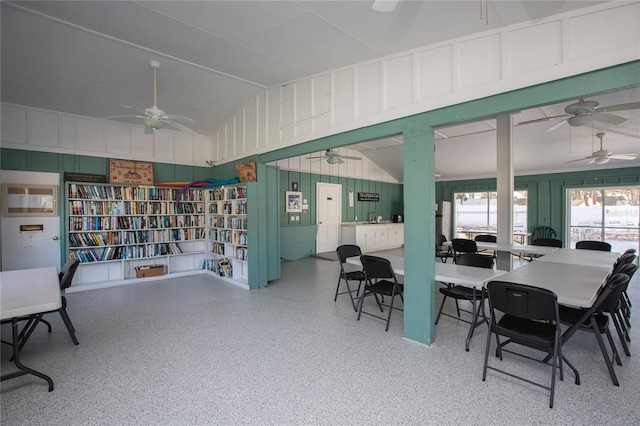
x,y
112,229
227,236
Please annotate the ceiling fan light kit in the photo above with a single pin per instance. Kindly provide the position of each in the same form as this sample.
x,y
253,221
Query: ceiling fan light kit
x,y
154,118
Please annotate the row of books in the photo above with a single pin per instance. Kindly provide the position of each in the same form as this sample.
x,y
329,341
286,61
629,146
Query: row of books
x,y
221,267
171,194
93,208
175,221
168,207
101,192
104,192
124,252
232,193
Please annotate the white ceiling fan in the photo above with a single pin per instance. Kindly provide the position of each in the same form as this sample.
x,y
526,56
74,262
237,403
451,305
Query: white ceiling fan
x,y
585,113
603,156
334,157
155,118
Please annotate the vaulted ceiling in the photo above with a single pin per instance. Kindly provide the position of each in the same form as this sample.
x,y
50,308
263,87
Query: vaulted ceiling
x,y
91,57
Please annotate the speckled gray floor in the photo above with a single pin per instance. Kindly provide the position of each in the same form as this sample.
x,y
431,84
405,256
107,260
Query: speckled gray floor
x,y
198,351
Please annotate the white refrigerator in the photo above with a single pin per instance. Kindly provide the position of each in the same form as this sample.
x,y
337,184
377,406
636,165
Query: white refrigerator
x,y
443,219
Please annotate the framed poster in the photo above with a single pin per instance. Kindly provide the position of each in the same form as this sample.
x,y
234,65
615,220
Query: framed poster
x,y
294,202
29,200
130,172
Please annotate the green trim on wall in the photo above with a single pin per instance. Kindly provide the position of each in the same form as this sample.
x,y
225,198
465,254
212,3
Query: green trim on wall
x,y
547,192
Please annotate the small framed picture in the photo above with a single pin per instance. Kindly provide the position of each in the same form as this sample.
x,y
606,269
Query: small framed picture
x,y
294,202
294,186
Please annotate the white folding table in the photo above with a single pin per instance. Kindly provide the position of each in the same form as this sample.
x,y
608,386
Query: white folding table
x,y
603,259
24,293
467,276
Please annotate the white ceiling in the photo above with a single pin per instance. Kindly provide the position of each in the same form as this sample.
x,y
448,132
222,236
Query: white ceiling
x,y
90,57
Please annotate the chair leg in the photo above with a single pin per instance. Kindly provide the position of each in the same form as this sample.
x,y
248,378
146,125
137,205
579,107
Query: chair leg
x,y
440,311
47,323
67,322
605,353
393,295
621,333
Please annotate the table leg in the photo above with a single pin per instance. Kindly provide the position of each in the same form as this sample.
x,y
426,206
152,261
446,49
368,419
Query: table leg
x,y
476,313
16,359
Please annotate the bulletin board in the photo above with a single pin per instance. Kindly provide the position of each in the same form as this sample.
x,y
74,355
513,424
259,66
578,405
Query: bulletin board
x,y
29,200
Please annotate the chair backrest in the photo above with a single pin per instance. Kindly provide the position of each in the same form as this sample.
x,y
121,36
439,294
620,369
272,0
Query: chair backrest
x,y
593,245
628,269
542,232
548,242
631,250
348,250
523,301
486,238
608,298
376,267
624,259
67,273
461,245
440,240
477,260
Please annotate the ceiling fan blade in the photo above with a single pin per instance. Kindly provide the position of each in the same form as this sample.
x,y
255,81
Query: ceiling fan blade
x,y
135,109
620,107
384,5
623,156
556,126
608,118
591,157
346,157
181,127
178,117
539,120
122,116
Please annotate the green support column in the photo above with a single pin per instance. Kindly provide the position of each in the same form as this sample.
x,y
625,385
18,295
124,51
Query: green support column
x,y
419,226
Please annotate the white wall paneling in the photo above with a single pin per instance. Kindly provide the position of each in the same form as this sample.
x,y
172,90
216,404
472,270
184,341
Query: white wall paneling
x,y
368,90
479,61
43,128
38,129
434,70
118,139
287,110
603,31
163,144
14,125
321,94
304,108
543,42
68,132
183,147
342,96
91,136
448,73
398,81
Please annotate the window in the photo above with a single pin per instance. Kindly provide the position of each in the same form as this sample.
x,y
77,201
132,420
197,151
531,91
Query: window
x,y
604,214
476,213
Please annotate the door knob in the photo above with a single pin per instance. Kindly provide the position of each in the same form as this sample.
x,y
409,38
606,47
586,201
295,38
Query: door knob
x,y
56,238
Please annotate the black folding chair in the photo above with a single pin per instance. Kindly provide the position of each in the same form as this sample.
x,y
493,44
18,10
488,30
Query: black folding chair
x,y
381,280
594,320
344,252
529,318
593,245
443,252
462,246
475,297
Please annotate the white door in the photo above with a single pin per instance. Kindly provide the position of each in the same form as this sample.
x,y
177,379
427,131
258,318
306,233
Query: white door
x,y
30,249
328,216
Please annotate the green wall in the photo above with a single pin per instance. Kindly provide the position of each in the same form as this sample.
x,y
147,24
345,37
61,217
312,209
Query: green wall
x,y
298,239
391,200
547,192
